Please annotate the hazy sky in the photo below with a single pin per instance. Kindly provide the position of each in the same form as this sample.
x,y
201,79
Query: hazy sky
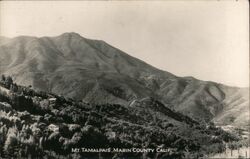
x,y
205,39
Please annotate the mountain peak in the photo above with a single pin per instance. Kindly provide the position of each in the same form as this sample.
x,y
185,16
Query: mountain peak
x,y
70,34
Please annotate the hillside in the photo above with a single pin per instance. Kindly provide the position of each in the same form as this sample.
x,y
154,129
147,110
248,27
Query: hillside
x,y
35,124
95,72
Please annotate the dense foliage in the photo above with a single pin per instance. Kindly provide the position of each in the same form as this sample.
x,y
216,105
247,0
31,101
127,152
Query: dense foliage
x,y
35,124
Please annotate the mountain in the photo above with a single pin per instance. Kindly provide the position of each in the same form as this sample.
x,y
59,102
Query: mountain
x,y
37,124
3,40
96,72
73,66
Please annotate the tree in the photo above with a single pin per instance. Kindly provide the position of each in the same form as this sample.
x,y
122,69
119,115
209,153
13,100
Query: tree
x,y
3,78
11,143
8,82
13,87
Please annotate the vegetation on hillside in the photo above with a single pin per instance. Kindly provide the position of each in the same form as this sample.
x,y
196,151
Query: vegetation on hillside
x,y
39,124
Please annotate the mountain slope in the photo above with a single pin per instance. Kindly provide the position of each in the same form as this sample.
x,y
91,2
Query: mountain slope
x,y
94,71
41,61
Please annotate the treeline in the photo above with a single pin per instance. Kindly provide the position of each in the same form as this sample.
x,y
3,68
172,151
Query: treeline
x,y
7,82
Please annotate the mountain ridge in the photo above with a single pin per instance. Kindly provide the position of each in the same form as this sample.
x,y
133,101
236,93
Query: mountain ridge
x,y
78,35
92,70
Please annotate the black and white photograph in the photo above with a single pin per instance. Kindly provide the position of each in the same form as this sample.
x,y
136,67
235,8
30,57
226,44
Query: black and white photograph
x,y
137,79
